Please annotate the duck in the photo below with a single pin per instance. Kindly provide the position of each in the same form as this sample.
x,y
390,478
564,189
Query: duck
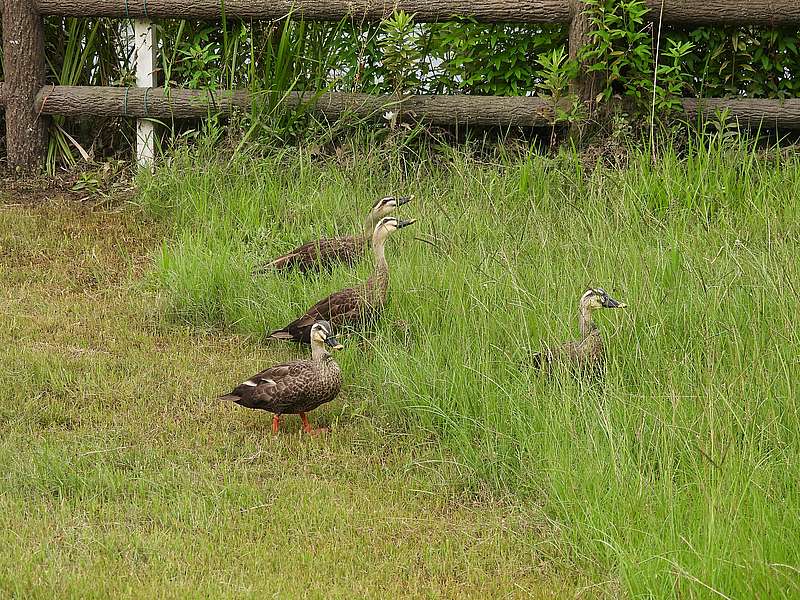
x,y
586,355
316,255
295,387
353,306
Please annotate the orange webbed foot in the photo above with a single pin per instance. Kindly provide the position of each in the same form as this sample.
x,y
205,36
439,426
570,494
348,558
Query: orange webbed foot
x,y
310,430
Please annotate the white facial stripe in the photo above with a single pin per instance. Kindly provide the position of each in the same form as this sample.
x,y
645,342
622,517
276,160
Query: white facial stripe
x,y
381,203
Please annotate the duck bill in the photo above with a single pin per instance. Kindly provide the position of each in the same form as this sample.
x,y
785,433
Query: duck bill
x,y
402,224
611,303
333,343
405,200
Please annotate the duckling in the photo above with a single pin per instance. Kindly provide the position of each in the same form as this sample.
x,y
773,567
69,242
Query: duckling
x,y
321,253
295,387
352,306
587,354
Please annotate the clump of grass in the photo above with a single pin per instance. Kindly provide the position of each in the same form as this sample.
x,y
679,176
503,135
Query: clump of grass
x,y
678,475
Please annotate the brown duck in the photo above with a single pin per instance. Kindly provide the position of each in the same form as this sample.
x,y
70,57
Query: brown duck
x,y
318,254
352,306
587,354
295,387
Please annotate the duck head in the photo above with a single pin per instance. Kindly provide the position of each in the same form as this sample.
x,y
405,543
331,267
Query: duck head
x,y
384,207
598,298
322,334
386,226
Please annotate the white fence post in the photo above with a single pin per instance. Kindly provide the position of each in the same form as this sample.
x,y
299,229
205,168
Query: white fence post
x,y
144,56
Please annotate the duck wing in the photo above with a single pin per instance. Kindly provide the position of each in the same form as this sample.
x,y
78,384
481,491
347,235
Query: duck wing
x,y
317,254
582,357
343,307
274,389
563,354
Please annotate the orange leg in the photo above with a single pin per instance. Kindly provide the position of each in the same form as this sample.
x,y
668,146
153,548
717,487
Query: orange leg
x,y
307,426
276,423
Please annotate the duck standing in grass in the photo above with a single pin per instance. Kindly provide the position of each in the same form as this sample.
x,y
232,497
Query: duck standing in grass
x,y
587,354
313,256
295,387
352,306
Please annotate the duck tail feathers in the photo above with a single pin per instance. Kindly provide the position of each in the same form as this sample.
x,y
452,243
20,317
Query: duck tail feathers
x,y
229,398
281,334
276,265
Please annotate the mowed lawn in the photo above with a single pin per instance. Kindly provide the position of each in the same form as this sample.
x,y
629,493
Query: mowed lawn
x,y
121,476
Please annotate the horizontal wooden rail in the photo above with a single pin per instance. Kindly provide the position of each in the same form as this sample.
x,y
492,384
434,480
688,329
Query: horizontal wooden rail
x,y
748,112
523,111
676,12
727,12
182,103
488,11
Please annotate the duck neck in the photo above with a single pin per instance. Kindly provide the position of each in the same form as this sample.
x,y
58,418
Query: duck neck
x,y
381,266
369,227
318,352
586,323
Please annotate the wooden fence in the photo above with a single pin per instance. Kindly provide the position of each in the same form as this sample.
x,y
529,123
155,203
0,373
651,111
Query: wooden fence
x,y
28,101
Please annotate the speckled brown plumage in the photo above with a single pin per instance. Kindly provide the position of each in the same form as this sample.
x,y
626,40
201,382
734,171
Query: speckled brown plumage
x,y
584,356
319,254
294,387
353,307
291,388
325,252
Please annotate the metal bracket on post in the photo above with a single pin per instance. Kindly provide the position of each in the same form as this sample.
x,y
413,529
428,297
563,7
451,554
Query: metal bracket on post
x,y
144,55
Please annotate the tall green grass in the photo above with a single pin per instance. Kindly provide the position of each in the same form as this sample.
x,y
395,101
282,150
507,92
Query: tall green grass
x,y
676,477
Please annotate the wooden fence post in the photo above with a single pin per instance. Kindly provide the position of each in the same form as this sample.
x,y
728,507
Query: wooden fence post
x,y
585,85
23,60
145,58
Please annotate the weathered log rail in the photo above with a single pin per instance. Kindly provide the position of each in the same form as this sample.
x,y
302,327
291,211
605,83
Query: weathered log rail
x,y
28,102
685,12
747,112
521,111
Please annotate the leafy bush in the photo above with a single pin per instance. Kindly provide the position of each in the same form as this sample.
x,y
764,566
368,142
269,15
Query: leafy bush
x,y
709,62
491,59
757,62
621,52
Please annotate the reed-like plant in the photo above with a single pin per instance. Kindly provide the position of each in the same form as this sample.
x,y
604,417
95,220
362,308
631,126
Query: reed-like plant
x,y
81,52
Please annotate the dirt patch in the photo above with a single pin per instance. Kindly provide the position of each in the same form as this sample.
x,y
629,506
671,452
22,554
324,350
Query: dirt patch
x,y
37,190
107,183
